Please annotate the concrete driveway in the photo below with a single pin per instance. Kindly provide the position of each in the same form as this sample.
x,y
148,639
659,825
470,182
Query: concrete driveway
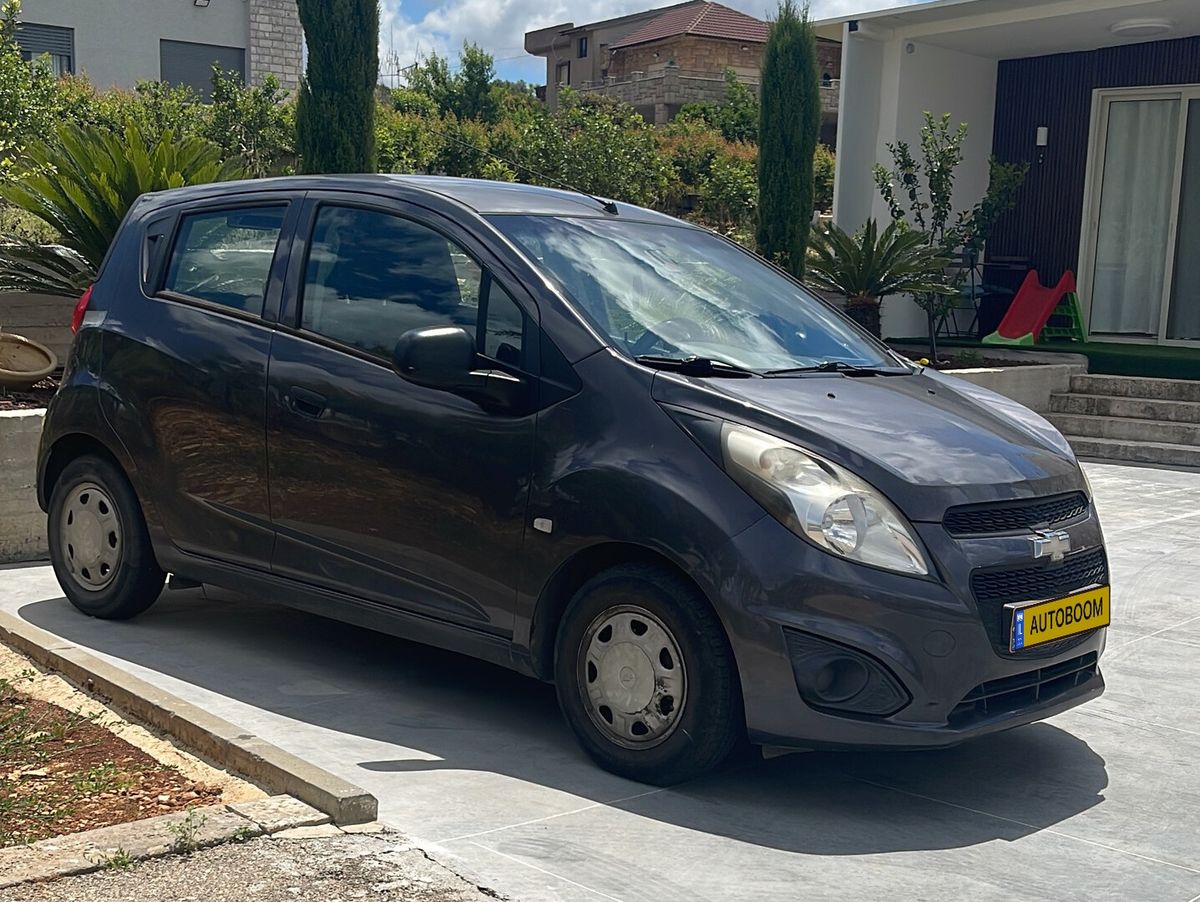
x,y
476,765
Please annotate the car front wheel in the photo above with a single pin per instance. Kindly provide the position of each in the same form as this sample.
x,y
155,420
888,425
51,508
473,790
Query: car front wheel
x,y
645,676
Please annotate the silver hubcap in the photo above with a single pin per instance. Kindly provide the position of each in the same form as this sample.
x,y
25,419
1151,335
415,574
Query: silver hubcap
x,y
91,536
632,677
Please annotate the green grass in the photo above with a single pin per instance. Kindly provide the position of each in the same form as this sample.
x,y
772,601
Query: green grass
x,y
1104,358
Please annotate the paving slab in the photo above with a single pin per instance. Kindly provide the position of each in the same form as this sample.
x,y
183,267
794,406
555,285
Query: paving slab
x,y
475,765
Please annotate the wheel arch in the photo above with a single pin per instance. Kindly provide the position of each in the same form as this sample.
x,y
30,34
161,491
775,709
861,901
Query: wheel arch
x,y
573,573
67,448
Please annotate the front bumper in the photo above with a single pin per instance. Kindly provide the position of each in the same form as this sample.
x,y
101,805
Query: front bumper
x,y
927,634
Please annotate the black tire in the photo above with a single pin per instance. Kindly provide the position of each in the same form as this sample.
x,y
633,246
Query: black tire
x,y
132,580
709,722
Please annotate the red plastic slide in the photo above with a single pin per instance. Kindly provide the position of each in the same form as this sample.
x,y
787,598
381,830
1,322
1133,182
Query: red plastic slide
x,y
1030,309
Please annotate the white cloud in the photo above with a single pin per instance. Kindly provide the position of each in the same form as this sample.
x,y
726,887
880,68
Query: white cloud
x,y
499,26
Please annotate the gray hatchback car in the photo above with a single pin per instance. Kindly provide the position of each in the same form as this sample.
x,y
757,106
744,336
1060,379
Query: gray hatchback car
x,y
579,439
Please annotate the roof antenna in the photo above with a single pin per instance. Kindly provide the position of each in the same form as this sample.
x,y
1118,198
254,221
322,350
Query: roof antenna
x,y
608,206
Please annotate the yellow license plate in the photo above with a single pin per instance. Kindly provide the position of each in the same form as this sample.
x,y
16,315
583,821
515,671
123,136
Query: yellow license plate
x,y
1044,621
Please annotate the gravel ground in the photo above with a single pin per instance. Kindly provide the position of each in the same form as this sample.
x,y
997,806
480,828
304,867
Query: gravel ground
x,y
332,869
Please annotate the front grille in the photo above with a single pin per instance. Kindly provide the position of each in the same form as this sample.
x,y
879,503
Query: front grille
x,y
1013,693
993,589
1010,516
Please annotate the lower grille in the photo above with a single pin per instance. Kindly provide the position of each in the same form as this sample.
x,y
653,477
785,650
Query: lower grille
x,y
993,589
1014,693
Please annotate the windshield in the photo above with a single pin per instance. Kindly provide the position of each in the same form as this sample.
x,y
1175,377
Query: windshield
x,y
668,291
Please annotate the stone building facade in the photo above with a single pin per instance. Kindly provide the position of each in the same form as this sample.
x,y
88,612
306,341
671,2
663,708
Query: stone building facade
x,y
690,53
276,42
660,59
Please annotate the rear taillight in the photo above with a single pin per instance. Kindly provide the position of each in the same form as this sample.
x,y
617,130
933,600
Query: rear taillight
x,y
80,309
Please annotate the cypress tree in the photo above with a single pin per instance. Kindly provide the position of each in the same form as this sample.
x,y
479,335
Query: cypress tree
x,y
788,129
335,113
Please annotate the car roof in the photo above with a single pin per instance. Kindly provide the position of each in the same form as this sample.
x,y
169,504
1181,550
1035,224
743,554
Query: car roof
x,y
479,195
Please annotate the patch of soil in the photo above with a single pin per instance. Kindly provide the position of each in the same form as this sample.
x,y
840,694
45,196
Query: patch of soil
x,y
37,397
61,772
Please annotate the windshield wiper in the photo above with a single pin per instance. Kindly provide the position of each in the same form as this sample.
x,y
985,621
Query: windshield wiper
x,y
698,366
839,366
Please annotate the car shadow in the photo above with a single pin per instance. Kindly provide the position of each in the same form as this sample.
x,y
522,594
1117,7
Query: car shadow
x,y
444,711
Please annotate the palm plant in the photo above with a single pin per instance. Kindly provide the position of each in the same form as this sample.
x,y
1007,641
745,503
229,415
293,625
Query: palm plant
x,y
82,183
869,266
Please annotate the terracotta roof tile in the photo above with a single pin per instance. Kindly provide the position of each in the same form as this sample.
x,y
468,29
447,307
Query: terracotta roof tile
x,y
709,20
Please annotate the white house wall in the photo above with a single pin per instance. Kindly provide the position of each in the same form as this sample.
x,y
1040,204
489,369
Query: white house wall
x,y
117,41
887,85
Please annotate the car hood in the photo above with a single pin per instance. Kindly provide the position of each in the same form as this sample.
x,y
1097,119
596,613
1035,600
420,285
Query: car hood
x,y
927,440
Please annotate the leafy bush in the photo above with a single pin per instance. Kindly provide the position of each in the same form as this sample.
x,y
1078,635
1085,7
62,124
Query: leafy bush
x,y
824,164
85,181
869,266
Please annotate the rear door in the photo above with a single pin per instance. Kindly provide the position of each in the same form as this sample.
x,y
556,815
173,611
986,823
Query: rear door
x,y
380,488
185,354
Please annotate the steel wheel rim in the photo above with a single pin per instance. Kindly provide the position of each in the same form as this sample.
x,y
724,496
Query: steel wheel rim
x,y
90,536
632,677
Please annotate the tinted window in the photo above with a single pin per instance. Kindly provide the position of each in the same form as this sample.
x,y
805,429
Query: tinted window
x,y
372,276
225,256
503,339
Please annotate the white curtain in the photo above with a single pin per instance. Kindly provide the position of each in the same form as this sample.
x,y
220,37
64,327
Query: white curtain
x,y
1183,321
1135,211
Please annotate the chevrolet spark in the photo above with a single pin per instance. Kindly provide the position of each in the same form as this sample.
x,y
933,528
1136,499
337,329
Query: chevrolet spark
x,y
580,439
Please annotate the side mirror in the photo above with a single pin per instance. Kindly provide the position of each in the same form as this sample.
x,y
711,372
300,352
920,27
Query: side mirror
x,y
443,357
436,357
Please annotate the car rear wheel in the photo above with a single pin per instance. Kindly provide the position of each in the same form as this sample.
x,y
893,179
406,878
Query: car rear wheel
x,y
645,676
99,545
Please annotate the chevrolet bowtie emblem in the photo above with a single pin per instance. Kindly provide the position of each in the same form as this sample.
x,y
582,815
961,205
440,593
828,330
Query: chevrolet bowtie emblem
x,y
1051,543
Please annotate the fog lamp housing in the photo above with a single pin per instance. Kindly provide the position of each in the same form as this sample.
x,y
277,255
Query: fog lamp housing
x,y
836,678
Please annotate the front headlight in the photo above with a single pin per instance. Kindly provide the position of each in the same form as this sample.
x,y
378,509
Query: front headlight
x,y
820,501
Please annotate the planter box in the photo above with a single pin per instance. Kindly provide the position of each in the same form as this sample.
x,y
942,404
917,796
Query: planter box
x,y
1028,385
41,317
22,523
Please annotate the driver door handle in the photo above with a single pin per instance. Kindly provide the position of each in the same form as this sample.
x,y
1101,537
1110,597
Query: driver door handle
x,y
306,403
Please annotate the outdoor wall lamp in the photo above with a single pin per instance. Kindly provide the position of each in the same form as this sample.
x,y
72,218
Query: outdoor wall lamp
x,y
200,2
1043,140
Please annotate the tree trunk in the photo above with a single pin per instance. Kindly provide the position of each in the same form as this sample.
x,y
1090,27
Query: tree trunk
x,y
865,312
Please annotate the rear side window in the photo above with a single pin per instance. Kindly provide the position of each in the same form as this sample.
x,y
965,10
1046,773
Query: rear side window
x,y
224,257
372,276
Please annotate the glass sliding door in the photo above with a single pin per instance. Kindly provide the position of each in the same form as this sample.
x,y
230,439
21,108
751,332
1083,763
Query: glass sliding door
x,y
1136,202
1183,318
1141,259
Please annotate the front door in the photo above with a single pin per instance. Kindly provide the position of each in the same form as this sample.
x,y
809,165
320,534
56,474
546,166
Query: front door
x,y
380,488
1141,275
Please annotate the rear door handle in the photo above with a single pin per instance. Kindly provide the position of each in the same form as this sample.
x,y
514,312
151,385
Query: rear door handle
x,y
306,403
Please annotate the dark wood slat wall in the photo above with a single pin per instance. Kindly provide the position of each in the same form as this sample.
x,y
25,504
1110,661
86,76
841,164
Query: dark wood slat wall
x,y
1056,91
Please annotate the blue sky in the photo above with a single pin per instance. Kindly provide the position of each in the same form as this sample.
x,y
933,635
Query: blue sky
x,y
414,28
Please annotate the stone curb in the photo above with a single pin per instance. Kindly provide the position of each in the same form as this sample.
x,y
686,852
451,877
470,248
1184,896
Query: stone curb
x,y
263,763
121,845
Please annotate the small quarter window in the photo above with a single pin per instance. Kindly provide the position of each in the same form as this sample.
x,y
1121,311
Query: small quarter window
x,y
503,337
224,257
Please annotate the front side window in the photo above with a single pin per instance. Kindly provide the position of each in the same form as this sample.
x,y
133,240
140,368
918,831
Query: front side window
x,y
372,276
224,256
674,291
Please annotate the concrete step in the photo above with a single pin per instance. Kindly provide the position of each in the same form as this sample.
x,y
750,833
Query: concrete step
x,y
1163,453
1138,408
1137,387
1126,428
